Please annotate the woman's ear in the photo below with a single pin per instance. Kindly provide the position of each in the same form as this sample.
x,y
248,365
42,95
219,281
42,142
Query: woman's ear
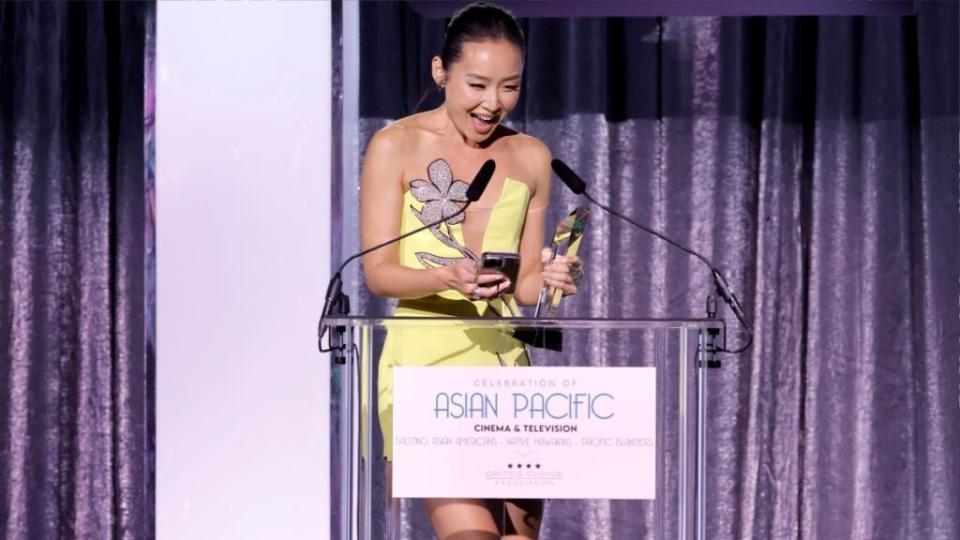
x,y
439,74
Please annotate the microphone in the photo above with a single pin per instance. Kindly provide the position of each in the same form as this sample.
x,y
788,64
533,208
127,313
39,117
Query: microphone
x,y
570,178
335,299
579,187
479,184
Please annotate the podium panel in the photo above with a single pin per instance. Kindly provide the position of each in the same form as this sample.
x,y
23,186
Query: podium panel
x,y
614,419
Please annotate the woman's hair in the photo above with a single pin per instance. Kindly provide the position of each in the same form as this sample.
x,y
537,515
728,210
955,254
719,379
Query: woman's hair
x,y
479,21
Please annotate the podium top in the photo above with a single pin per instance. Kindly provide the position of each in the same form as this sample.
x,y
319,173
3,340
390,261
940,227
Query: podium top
x,y
525,322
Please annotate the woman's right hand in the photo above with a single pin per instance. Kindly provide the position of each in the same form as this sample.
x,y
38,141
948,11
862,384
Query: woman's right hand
x,y
466,277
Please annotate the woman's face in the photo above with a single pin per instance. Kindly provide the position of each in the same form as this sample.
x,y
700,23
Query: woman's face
x,y
482,87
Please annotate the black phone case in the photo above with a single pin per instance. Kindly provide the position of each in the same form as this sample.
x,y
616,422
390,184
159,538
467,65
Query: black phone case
x,y
507,263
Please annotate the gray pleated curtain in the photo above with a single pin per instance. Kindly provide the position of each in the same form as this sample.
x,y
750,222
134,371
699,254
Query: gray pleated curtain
x,y
76,379
815,160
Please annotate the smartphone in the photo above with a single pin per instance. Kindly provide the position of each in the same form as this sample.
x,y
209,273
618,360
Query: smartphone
x,y
507,264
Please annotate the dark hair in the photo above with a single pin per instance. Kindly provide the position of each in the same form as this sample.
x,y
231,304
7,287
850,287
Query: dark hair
x,y
479,21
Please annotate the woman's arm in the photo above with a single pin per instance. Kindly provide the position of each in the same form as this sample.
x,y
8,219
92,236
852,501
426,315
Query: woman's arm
x,y
531,239
533,272
381,197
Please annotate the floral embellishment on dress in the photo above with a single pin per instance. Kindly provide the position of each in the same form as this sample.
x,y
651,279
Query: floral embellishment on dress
x,y
440,193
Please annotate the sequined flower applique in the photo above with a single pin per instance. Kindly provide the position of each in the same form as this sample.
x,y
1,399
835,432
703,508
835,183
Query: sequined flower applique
x,y
440,194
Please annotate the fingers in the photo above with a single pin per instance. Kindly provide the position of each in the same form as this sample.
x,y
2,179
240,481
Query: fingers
x,y
560,280
495,289
490,290
571,260
476,283
557,269
487,278
564,273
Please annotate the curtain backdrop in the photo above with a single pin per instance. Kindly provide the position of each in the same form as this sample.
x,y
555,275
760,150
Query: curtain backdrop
x,y
76,407
815,160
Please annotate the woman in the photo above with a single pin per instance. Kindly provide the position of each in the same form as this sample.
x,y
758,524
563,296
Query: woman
x,y
412,175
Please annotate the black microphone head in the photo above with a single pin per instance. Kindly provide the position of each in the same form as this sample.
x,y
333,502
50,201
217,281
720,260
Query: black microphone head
x,y
569,177
481,180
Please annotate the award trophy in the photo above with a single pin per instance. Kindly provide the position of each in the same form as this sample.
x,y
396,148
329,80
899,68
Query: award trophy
x,y
566,241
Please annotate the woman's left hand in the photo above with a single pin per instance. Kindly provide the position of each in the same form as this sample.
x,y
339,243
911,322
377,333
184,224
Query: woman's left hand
x,y
562,272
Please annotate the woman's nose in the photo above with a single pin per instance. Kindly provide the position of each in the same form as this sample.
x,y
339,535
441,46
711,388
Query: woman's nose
x,y
491,100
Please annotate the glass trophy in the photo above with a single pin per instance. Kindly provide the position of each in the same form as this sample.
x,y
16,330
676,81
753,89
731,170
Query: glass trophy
x,y
566,241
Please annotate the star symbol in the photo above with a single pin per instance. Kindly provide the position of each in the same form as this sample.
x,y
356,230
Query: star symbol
x,y
509,465
528,465
538,465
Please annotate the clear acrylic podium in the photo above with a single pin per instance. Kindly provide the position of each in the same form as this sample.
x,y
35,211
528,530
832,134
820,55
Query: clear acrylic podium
x,y
681,350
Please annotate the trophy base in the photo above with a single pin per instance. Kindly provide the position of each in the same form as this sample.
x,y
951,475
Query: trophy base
x,y
542,338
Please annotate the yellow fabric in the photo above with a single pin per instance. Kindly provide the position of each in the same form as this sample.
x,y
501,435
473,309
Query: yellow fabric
x,y
453,346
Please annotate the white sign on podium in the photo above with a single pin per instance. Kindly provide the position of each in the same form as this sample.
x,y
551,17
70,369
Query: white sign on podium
x,y
546,432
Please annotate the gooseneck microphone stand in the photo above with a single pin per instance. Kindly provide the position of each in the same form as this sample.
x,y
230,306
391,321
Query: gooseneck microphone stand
x,y
336,302
579,187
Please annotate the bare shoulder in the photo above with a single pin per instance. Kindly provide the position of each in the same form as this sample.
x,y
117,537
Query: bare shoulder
x,y
390,141
531,149
383,159
531,155
534,148
399,138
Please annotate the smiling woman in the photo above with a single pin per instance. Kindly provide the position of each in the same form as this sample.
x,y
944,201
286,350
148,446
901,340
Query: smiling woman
x,y
484,84
480,68
413,175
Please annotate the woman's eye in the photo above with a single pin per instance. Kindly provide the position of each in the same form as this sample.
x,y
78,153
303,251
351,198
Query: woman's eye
x,y
477,86
512,88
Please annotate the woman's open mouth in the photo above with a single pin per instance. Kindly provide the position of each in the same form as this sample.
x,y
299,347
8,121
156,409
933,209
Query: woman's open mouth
x,y
483,123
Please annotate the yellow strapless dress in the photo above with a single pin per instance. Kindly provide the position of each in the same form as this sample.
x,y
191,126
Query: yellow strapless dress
x,y
454,346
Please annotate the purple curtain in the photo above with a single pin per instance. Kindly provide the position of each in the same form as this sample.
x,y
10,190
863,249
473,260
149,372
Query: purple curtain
x,y
815,159
76,406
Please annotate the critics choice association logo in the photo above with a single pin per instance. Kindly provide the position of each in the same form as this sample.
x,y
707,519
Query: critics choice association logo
x,y
523,473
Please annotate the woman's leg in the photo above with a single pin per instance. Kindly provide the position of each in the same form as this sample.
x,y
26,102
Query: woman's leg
x,y
525,516
475,519
461,519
